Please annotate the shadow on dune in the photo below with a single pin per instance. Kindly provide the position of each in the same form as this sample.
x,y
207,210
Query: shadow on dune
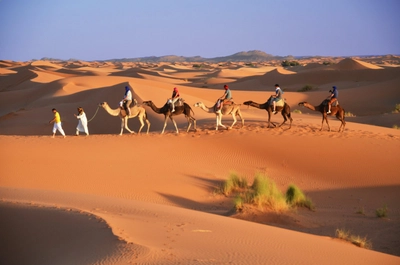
x,y
31,235
352,209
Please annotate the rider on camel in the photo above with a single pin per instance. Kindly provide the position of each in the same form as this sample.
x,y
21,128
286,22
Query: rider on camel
x,y
276,97
225,97
333,98
126,101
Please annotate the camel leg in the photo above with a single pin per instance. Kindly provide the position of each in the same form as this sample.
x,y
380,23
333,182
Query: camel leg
x,y
324,117
194,124
141,124
284,119
241,118
269,120
126,126
173,121
148,126
219,121
122,126
234,120
189,124
165,125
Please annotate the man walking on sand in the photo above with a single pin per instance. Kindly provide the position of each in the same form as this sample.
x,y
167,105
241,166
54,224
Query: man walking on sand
x,y
57,123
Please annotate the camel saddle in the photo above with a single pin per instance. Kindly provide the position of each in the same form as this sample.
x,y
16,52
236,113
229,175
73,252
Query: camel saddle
x,y
326,102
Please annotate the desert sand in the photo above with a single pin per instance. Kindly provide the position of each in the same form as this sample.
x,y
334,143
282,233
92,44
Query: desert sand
x,y
151,198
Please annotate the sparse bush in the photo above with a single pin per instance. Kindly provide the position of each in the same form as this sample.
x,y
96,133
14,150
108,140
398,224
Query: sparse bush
x,y
349,114
361,211
327,63
286,63
233,183
362,242
265,192
306,88
238,203
396,127
382,212
295,197
397,109
297,111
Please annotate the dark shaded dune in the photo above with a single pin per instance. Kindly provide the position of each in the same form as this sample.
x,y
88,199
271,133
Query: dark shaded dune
x,y
66,237
321,77
9,82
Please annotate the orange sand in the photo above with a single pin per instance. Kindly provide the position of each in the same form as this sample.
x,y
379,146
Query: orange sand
x,y
135,199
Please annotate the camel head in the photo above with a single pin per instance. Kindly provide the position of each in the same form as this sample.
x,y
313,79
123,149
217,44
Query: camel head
x,y
103,104
302,103
247,102
147,103
199,104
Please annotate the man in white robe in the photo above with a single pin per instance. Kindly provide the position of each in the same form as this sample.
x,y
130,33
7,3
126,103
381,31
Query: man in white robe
x,y
82,122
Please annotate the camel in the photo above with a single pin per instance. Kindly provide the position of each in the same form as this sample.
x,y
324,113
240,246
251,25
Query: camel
x,y
138,111
284,110
166,111
233,109
337,110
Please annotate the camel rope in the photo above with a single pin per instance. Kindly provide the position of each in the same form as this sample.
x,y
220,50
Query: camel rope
x,y
94,114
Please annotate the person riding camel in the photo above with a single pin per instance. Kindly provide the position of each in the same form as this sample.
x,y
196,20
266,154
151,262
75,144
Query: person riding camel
x,y
332,98
224,98
126,101
174,98
276,97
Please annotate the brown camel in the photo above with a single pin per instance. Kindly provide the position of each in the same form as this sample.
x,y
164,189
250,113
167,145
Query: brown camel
x,y
284,110
138,111
232,109
337,110
166,111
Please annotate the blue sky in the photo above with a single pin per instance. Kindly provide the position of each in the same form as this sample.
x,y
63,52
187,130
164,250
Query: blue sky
x,y
100,29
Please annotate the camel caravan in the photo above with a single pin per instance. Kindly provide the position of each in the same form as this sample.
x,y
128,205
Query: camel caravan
x,y
224,106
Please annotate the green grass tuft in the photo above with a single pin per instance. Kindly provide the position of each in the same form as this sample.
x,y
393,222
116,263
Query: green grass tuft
x,y
349,114
297,111
233,183
362,242
396,108
295,197
382,212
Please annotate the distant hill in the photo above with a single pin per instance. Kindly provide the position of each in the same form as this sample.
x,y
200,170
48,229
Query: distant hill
x,y
250,56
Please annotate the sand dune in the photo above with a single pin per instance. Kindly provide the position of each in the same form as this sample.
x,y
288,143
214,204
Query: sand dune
x,y
151,199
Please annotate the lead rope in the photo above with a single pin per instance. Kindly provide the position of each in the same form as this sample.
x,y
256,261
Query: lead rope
x,y
94,114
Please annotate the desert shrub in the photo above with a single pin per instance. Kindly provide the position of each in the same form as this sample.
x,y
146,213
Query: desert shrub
x,y
233,183
296,197
297,111
396,127
382,212
265,192
361,211
346,235
349,114
327,63
286,63
306,88
262,193
397,108
238,203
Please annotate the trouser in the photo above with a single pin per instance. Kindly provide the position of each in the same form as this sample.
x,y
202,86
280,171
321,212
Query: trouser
x,y
57,126
127,104
331,101
173,103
